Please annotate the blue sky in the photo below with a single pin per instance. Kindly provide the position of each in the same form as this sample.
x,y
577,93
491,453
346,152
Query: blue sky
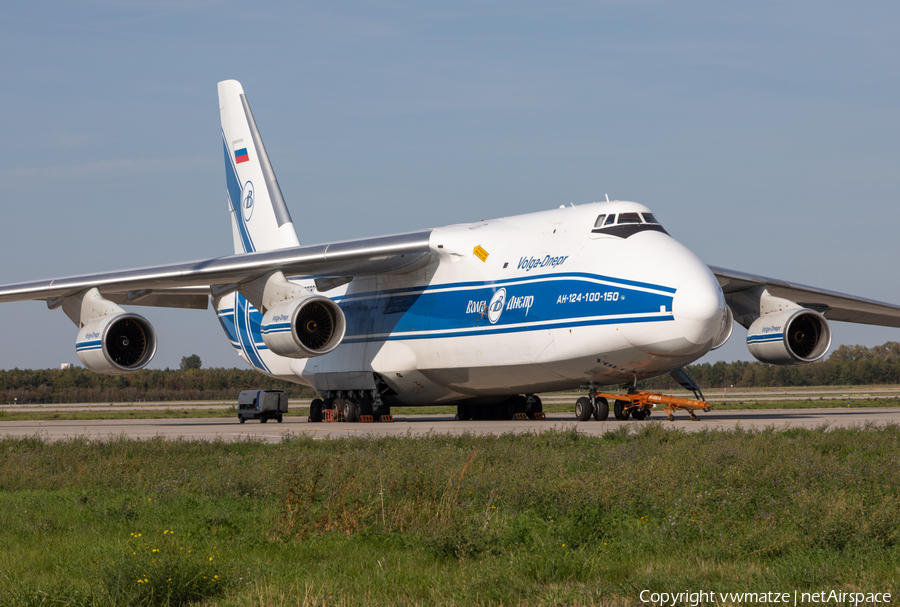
x,y
764,135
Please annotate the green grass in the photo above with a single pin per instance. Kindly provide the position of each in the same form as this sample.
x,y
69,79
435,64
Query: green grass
x,y
556,518
813,403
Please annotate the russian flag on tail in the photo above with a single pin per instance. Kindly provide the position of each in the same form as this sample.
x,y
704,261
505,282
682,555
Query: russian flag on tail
x,y
241,156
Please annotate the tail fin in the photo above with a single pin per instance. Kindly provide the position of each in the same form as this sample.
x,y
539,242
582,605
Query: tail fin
x,y
259,216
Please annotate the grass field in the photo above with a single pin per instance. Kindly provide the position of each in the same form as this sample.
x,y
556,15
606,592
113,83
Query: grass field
x,y
555,518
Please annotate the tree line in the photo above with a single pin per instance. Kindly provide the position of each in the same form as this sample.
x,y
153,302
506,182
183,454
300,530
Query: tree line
x,y
78,385
847,365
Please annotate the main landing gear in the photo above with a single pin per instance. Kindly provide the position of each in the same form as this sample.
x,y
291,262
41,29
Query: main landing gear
x,y
516,407
350,406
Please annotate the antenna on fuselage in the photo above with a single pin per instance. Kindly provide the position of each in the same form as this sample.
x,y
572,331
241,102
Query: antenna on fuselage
x,y
607,198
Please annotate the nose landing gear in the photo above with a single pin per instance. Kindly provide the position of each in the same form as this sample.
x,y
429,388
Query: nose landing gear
x,y
637,405
592,404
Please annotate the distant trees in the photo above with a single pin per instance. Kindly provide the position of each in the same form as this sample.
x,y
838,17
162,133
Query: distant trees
x,y
80,385
191,362
847,365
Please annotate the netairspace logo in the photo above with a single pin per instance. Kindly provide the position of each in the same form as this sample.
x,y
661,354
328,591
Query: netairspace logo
x,y
823,597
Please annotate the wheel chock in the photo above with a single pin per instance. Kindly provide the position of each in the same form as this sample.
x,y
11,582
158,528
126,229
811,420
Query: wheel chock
x,y
521,416
332,416
366,418
539,415
387,418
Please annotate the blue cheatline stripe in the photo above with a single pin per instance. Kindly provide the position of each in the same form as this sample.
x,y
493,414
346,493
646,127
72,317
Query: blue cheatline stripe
x,y
86,346
234,197
245,332
283,327
506,281
761,338
513,329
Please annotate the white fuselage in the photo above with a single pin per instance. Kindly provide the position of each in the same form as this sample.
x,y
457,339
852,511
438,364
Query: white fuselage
x,y
512,306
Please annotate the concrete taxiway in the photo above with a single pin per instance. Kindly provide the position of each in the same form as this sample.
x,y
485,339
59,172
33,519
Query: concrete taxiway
x,y
230,429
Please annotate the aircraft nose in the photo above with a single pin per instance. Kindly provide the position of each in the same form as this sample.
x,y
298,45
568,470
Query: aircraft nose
x,y
699,307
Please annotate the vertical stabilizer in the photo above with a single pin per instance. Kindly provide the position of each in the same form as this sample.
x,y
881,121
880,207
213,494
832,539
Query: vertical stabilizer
x,y
259,216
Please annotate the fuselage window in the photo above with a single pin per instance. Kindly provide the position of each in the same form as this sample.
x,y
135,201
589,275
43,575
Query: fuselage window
x,y
599,221
650,218
610,220
629,218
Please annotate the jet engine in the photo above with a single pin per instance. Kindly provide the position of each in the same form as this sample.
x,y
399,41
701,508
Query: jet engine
x,y
116,344
790,337
304,327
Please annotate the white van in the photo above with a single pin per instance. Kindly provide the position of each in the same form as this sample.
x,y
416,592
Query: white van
x,y
262,405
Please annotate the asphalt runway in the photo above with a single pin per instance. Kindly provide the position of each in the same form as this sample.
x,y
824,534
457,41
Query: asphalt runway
x,y
230,429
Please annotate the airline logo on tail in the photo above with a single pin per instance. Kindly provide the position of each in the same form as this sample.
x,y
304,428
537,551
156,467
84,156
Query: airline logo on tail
x,y
247,200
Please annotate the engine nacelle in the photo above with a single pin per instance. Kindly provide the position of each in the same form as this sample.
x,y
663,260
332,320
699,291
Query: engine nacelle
x,y
116,344
789,337
304,327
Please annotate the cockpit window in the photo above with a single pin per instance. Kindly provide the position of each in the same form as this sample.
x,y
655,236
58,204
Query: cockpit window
x,y
625,225
629,218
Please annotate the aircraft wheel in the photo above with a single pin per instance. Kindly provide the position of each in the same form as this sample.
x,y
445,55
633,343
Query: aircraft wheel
x,y
383,410
315,410
520,404
533,405
242,419
639,414
583,409
279,418
349,411
263,419
364,406
328,403
462,413
620,411
601,409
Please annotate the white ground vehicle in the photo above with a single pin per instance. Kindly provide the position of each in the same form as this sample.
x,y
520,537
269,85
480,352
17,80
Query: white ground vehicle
x,y
262,405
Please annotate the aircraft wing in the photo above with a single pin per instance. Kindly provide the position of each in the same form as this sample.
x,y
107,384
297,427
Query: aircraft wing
x,y
188,285
831,304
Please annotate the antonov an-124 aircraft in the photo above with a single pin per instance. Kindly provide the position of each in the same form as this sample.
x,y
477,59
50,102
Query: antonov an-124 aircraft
x,y
482,315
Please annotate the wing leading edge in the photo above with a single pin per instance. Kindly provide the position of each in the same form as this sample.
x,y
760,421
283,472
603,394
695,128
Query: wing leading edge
x,y
741,290
187,285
